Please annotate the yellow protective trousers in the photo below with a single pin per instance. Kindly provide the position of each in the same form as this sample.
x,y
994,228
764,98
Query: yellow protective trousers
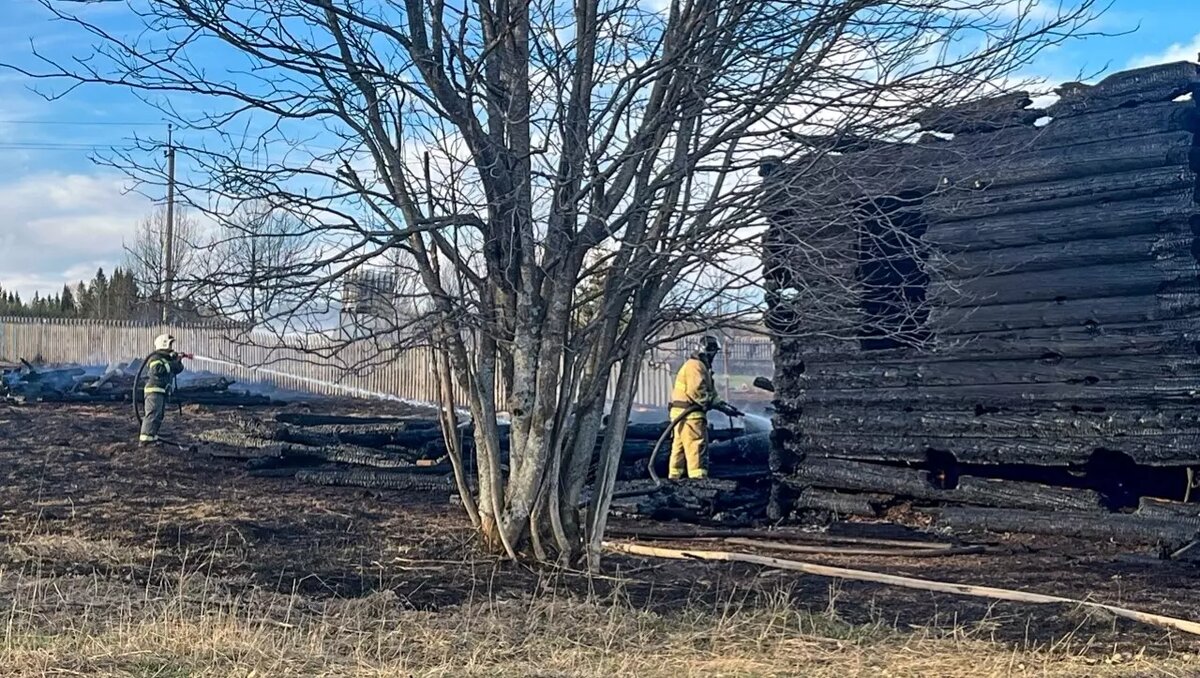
x,y
689,449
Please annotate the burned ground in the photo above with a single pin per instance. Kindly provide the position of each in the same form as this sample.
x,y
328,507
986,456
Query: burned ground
x,y
81,503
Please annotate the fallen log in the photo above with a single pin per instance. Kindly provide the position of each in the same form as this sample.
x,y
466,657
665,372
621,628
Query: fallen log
x,y
203,383
1153,507
308,419
226,399
223,451
864,477
854,504
233,438
904,582
274,472
265,463
748,449
695,533
378,480
652,431
855,551
336,434
348,454
1119,527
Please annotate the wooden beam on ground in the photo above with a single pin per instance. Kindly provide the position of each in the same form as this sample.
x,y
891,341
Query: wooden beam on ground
x,y
855,551
816,537
993,593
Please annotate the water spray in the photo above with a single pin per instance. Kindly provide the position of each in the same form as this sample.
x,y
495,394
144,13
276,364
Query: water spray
x,y
348,390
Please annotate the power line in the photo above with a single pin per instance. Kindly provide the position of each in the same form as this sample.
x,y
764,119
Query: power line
x,y
31,146
125,123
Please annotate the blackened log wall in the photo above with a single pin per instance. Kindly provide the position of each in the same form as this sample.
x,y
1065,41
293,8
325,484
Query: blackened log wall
x,y
1063,299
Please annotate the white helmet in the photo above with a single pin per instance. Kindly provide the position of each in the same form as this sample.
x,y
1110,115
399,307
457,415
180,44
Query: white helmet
x,y
164,342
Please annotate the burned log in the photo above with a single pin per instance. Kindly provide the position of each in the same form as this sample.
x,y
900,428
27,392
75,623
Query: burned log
x,y
958,204
749,450
224,451
331,435
1119,527
344,454
311,419
1151,449
839,474
1014,424
653,431
985,397
1085,282
1072,322
1129,249
1151,507
984,115
1111,125
843,503
1044,368
1127,89
382,480
225,399
1165,214
238,438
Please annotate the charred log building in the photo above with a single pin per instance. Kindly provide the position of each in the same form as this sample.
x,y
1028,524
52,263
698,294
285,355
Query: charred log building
x,y
1005,314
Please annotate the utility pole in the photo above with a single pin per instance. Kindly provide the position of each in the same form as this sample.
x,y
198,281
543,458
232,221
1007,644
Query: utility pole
x,y
169,248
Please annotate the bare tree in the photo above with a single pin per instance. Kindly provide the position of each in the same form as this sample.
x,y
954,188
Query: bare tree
x,y
242,273
500,144
146,255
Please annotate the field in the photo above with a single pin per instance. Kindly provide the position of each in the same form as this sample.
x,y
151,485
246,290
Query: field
x,y
119,561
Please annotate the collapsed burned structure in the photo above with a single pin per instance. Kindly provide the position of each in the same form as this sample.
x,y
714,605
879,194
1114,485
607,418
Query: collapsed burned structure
x,y
1000,319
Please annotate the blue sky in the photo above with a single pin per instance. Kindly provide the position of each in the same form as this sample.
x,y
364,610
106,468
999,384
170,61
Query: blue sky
x,y
64,216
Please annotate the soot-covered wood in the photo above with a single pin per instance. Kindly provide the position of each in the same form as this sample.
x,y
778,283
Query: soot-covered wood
x,y
1062,311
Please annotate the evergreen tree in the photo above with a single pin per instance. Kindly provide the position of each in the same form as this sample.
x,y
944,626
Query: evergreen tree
x,y
123,293
66,303
83,301
101,301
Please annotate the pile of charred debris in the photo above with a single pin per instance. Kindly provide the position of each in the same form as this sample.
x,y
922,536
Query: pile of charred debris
x,y
410,453
29,383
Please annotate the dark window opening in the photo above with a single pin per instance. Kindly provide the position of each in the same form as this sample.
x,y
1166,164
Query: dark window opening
x,y
891,272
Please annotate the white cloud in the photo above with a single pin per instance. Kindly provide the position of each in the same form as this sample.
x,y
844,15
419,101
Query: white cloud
x,y
60,227
1179,51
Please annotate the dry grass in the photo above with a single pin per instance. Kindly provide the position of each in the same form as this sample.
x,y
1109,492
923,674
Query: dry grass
x,y
190,624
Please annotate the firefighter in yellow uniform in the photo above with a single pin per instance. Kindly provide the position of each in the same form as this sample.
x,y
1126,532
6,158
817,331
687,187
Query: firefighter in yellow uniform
x,y
692,397
161,368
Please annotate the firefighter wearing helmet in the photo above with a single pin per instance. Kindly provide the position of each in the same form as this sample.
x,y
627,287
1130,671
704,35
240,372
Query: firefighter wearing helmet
x,y
161,367
693,395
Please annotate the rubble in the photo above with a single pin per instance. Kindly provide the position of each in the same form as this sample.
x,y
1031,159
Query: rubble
x,y
73,383
410,453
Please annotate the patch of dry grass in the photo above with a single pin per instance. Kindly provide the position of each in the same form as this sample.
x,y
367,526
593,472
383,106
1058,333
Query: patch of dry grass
x,y
66,548
195,626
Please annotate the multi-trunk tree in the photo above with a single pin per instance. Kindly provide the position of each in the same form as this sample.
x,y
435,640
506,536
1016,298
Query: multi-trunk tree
x,y
561,177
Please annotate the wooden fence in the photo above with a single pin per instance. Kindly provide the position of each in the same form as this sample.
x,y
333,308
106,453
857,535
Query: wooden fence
x,y
310,363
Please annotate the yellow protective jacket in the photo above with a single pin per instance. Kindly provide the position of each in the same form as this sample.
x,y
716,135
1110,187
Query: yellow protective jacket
x,y
693,386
